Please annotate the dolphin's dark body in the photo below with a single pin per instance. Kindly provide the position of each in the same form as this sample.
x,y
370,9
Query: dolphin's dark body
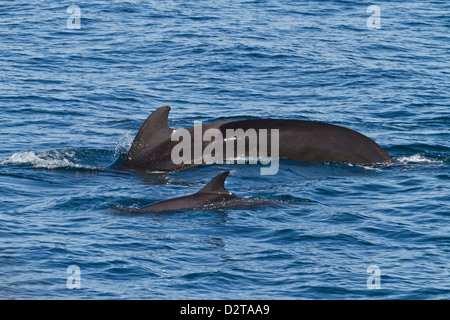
x,y
213,194
298,140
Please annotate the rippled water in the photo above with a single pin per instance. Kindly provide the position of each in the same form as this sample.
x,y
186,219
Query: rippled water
x,y
72,101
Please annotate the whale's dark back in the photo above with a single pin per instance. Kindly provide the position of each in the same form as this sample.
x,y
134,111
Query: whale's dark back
x,y
298,140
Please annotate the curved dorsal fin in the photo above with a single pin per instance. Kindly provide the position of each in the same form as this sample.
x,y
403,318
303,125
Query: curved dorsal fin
x,y
154,131
216,185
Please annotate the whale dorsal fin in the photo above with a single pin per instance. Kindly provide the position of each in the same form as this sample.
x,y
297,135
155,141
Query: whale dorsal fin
x,y
154,131
216,185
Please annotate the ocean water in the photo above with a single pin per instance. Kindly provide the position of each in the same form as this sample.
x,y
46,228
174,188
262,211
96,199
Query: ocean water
x,y
74,90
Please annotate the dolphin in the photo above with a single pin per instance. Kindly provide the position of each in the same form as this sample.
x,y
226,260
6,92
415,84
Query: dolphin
x,y
213,194
299,140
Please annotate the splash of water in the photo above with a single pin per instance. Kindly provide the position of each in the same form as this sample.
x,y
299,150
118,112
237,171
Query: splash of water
x,y
48,159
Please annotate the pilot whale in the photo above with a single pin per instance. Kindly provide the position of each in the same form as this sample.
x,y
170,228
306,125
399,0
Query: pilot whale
x,y
213,194
300,140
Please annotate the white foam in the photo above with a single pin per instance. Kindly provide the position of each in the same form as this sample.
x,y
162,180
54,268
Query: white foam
x,y
417,158
49,159
371,168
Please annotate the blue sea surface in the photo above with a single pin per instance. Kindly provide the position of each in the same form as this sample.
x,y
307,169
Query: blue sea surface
x,y
74,92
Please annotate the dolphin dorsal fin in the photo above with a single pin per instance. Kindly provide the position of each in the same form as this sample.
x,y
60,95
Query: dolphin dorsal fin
x,y
216,185
153,132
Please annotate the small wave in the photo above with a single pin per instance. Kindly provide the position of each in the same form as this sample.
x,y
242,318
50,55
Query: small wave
x,y
125,209
409,161
49,160
418,158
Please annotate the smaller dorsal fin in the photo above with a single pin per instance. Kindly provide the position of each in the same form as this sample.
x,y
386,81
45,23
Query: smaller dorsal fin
x,y
154,131
216,185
